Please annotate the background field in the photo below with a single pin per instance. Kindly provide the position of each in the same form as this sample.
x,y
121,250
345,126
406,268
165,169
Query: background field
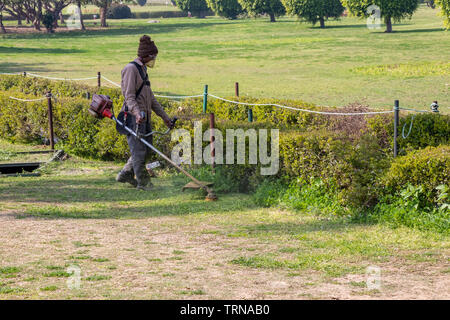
x,y
342,64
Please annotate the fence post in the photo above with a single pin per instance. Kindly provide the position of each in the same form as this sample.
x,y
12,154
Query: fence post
x,y
50,120
250,115
396,125
236,89
205,98
212,139
99,79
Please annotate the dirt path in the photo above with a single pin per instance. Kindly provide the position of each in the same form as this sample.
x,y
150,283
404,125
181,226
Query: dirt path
x,y
162,257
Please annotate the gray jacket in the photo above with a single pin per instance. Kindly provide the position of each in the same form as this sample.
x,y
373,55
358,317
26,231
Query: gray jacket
x,y
131,82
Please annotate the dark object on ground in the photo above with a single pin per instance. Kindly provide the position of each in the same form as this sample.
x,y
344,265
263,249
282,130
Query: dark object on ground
x,y
15,168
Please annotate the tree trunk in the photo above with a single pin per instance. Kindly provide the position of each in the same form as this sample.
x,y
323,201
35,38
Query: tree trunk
x,y
103,11
61,18
2,27
19,19
81,15
37,24
272,17
322,22
388,22
38,17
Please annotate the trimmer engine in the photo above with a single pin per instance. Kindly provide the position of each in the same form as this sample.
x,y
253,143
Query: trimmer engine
x,y
101,106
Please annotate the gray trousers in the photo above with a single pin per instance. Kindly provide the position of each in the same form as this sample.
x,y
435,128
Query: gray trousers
x,y
139,151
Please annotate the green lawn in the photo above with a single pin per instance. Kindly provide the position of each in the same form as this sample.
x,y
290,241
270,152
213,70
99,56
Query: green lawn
x,y
342,64
166,244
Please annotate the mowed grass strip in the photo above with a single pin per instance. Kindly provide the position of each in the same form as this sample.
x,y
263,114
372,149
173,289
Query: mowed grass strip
x,y
174,239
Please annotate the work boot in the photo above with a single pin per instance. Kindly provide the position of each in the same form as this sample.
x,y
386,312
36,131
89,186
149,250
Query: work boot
x,y
124,177
147,187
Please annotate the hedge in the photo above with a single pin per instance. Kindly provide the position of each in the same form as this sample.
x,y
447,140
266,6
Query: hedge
x,y
351,155
429,168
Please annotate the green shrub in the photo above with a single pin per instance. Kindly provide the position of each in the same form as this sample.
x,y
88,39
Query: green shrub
x,y
160,14
48,20
320,154
429,168
119,11
366,165
269,193
351,157
428,129
410,207
313,195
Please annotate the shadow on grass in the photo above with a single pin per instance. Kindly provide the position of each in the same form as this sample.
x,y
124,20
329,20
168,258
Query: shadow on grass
x,y
102,197
15,50
12,67
419,30
344,26
72,190
118,31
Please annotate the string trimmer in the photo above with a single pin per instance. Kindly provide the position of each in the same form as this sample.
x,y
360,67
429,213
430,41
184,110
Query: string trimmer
x,y
102,107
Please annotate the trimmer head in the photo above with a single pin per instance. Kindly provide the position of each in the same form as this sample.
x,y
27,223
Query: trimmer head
x,y
211,196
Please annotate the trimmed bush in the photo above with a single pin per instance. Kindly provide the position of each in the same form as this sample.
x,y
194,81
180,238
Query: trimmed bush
x,y
338,164
429,168
119,11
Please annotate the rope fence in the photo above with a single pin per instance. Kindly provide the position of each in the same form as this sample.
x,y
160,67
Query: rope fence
x,y
205,95
27,100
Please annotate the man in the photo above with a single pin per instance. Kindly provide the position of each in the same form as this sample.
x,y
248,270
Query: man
x,y
139,103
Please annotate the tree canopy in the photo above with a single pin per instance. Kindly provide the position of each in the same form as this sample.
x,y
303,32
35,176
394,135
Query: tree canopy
x,y
274,8
226,8
198,8
445,11
315,10
390,9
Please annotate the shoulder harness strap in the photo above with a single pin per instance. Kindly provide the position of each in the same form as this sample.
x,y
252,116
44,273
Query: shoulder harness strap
x,y
144,77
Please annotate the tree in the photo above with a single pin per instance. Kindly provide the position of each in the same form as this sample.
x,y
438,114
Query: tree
x,y
30,9
226,8
48,20
390,9
103,5
274,8
55,8
198,8
445,11
315,10
79,4
2,7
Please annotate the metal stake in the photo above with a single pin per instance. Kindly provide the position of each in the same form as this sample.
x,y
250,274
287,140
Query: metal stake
x,y
50,120
396,125
205,98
